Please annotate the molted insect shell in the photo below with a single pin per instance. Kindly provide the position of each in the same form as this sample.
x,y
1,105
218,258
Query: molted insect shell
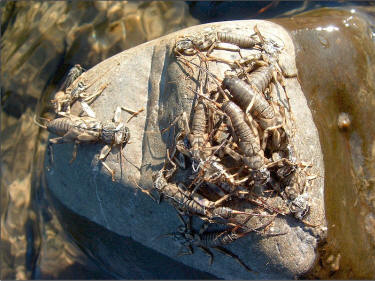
x,y
185,46
207,41
73,74
108,131
300,206
286,174
262,175
243,93
291,192
254,162
159,181
76,91
240,40
114,133
122,135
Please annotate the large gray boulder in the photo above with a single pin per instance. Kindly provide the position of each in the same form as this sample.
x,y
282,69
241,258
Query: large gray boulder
x,y
149,77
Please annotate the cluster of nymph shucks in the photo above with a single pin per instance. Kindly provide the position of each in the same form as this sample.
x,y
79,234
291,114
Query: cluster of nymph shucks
x,y
235,147
82,129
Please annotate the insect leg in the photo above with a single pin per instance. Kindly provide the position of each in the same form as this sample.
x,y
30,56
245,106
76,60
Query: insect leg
x,y
74,153
211,49
179,159
228,62
285,160
50,153
260,36
221,200
265,134
57,140
93,97
87,109
173,123
174,167
117,115
228,46
208,253
104,152
103,155
179,215
109,170
135,114
197,187
230,254
188,252
235,155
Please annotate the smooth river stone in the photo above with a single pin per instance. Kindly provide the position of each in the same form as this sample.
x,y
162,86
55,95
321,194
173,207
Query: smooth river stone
x,y
148,77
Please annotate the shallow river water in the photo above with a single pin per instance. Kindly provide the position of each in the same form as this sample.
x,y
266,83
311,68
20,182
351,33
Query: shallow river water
x,y
42,40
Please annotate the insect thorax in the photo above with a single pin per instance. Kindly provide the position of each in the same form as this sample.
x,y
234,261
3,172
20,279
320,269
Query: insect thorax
x,y
116,133
159,181
188,44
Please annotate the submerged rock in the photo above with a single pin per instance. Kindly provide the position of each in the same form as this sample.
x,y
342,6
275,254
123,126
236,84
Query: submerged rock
x,y
149,77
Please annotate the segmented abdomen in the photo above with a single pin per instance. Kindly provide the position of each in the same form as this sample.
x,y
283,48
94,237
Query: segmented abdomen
x,y
73,74
248,142
198,126
60,126
198,129
243,93
261,78
177,197
217,238
239,40
222,212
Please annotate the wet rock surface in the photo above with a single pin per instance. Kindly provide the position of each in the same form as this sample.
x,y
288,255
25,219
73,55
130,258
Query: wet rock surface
x,y
148,77
343,111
